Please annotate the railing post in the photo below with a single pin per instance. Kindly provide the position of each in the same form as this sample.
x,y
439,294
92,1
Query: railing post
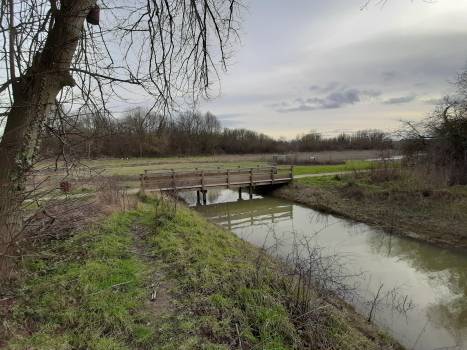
x,y
291,172
202,180
228,178
251,184
272,175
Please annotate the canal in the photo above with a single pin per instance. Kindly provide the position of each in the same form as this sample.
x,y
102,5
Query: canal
x,y
420,290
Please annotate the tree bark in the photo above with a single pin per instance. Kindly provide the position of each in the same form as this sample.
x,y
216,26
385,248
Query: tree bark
x,y
33,99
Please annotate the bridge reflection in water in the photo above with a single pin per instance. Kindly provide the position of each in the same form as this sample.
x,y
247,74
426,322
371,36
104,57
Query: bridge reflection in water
x,y
249,213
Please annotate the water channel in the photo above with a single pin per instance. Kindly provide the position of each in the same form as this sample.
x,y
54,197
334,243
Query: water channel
x,y
432,279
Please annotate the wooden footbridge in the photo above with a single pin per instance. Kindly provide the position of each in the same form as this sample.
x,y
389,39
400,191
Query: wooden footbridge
x,y
202,180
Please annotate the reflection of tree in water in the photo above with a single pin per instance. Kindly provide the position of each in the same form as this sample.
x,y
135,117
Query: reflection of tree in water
x,y
452,316
426,258
318,219
444,268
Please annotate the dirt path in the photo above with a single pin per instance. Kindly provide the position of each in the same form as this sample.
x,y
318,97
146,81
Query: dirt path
x,y
160,301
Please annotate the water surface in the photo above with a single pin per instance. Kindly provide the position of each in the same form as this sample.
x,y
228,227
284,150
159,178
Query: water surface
x,y
433,278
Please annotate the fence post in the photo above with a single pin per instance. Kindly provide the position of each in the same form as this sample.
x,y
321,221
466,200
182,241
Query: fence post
x,y
174,184
141,178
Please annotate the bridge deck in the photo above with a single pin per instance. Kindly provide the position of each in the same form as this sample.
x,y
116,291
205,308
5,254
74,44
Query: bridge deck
x,y
223,178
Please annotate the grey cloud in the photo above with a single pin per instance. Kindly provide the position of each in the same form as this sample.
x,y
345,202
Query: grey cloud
x,y
433,101
389,75
400,100
336,99
333,85
230,120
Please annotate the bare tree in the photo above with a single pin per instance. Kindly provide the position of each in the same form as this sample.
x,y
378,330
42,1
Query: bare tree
x,y
64,57
439,142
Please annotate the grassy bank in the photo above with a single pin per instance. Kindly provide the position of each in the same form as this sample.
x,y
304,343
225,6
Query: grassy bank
x,y
405,203
209,290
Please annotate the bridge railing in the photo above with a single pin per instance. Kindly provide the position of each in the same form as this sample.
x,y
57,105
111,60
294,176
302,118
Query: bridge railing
x,y
202,179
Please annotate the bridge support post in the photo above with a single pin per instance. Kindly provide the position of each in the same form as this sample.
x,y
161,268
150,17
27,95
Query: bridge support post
x,y
239,193
204,197
250,191
198,198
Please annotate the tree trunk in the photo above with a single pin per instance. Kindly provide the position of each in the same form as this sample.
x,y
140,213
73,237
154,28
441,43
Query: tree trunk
x,y
33,99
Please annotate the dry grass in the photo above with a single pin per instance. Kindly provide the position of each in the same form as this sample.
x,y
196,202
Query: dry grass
x,y
136,166
401,202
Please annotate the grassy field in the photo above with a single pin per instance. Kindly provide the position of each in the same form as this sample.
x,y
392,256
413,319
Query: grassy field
x,y
350,165
212,290
136,166
89,175
404,203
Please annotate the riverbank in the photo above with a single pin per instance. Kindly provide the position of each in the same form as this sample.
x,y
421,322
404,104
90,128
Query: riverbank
x,y
162,277
402,204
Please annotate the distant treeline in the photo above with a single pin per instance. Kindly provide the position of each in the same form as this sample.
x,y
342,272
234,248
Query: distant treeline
x,y
141,134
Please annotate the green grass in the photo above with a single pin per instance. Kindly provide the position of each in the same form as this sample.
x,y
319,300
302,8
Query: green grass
x,y
225,284
84,293
91,290
218,288
349,165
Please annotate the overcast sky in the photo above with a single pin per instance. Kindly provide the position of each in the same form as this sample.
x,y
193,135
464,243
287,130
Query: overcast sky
x,y
331,67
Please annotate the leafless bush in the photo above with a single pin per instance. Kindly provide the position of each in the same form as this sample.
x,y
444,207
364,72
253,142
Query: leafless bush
x,y
108,191
439,143
393,299
58,218
313,282
383,171
166,208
